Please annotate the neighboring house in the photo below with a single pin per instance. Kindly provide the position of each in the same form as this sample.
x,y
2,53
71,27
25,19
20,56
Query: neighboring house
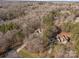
x,y
63,37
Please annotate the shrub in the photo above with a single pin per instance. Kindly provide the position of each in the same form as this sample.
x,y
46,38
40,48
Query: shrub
x,y
16,40
73,28
11,13
50,30
48,23
19,36
30,26
67,27
6,27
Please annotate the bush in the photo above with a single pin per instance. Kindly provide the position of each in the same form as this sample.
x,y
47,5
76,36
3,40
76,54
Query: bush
x,y
48,23
50,30
67,27
73,28
16,40
11,13
6,27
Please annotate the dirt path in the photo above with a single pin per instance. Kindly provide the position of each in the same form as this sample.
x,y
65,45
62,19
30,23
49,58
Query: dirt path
x,y
20,48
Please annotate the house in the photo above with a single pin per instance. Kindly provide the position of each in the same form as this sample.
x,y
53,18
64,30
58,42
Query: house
x,y
63,37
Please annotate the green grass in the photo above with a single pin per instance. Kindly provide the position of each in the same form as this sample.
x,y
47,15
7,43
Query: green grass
x,y
26,54
48,24
74,30
6,27
69,26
